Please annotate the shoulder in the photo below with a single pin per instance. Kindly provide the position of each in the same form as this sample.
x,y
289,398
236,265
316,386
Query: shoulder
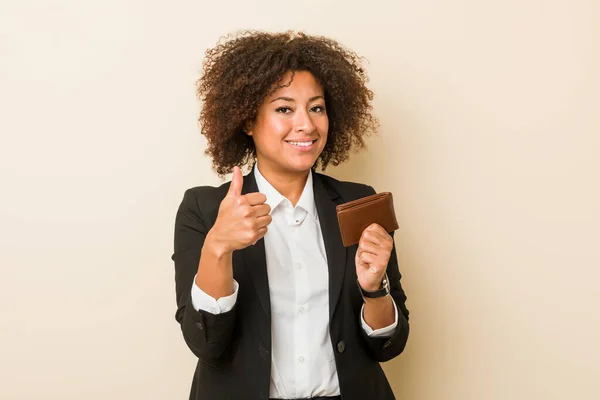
x,y
345,189
204,200
208,193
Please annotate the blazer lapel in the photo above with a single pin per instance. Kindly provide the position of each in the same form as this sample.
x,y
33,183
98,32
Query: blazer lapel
x,y
325,200
254,256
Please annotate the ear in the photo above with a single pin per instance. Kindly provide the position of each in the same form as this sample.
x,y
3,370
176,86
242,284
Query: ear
x,y
248,128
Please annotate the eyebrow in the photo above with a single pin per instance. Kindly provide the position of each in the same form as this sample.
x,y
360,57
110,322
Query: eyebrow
x,y
293,101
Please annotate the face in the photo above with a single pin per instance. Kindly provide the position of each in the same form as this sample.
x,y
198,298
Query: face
x,y
290,130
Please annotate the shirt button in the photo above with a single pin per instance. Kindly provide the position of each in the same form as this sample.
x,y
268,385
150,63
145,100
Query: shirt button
x,y
301,310
341,346
301,359
298,265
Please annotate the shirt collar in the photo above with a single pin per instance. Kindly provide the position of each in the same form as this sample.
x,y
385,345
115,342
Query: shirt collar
x,y
274,198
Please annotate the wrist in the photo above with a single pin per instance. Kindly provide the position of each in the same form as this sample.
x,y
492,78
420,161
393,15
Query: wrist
x,y
378,290
215,247
378,301
371,286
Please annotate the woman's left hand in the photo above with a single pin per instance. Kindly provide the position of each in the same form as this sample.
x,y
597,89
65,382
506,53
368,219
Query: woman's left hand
x,y
374,250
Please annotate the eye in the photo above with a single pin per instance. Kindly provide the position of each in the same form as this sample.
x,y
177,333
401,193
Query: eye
x,y
283,110
318,109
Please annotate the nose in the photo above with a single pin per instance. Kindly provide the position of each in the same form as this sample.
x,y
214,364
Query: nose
x,y
303,121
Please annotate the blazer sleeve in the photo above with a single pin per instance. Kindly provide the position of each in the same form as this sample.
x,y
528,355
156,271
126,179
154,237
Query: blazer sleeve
x,y
207,335
384,349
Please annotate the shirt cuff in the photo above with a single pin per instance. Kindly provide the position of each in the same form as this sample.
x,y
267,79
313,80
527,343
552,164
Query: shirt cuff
x,y
205,302
385,332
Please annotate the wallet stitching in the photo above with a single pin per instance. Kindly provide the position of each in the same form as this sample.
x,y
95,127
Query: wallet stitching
x,y
357,207
359,202
350,206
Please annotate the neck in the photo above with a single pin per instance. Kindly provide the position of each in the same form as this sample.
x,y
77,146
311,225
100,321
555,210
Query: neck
x,y
289,184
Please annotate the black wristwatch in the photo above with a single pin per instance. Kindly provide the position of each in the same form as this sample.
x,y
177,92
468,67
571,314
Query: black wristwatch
x,y
383,291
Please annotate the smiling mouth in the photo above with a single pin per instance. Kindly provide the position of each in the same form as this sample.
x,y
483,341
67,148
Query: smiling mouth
x,y
302,144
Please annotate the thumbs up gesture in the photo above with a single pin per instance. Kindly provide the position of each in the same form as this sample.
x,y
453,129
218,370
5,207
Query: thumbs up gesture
x,y
242,219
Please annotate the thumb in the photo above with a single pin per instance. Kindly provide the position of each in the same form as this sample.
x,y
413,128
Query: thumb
x,y
235,188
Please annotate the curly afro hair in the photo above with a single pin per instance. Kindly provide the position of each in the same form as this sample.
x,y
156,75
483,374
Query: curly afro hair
x,y
241,71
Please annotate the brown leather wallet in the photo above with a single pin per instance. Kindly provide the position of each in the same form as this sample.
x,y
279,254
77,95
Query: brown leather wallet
x,y
355,216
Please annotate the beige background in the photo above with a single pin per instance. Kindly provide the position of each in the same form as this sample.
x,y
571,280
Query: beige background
x,y
490,134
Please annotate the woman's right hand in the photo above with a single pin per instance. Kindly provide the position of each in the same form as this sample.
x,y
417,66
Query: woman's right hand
x,y
242,219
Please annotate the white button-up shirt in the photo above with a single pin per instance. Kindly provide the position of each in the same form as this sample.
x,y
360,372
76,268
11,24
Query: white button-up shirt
x,y
303,363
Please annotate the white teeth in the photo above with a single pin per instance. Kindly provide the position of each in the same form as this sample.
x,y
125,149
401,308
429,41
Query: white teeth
x,y
303,144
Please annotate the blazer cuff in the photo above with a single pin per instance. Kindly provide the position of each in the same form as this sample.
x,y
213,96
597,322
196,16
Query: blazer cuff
x,y
204,302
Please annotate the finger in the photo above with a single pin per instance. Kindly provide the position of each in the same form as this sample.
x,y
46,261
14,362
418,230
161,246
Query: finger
x,y
369,247
367,258
255,198
371,262
360,262
237,180
262,222
381,239
260,233
377,229
261,210
370,237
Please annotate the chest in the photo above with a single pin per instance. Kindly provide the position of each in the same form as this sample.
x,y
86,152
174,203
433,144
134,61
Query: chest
x,y
296,262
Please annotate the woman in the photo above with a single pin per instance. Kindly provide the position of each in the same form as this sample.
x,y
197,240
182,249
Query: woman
x,y
269,300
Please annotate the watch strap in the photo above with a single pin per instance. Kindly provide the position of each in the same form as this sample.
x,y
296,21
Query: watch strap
x,y
383,291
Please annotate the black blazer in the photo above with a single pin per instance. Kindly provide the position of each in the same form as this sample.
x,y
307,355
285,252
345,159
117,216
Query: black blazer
x,y
234,348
